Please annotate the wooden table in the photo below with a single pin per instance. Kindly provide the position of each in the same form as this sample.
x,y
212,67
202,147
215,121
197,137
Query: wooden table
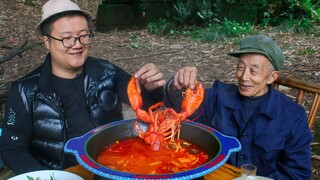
x,y
225,172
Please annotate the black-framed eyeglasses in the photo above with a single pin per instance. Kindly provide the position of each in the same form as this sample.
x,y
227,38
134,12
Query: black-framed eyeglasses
x,y
71,41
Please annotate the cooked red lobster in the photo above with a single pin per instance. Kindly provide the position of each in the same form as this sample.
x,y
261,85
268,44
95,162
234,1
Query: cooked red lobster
x,y
164,123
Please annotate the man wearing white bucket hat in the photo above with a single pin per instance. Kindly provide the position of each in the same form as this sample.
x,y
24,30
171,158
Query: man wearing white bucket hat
x,y
68,95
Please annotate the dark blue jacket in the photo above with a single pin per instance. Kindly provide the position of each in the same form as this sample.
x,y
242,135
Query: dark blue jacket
x,y
276,140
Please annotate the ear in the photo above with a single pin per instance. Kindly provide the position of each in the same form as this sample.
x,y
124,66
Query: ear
x,y
274,76
46,41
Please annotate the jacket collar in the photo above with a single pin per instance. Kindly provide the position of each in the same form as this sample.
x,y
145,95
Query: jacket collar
x,y
93,70
45,81
266,107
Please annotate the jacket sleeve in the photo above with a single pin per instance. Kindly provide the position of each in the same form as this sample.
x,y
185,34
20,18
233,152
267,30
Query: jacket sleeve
x,y
172,98
16,135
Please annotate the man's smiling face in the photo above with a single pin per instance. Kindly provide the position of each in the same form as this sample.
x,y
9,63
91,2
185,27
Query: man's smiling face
x,y
67,62
254,73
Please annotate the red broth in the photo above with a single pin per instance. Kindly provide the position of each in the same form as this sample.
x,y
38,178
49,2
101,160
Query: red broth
x,y
134,156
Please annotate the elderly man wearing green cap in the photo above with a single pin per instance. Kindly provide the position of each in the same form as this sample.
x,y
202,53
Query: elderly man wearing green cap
x,y
272,129
68,95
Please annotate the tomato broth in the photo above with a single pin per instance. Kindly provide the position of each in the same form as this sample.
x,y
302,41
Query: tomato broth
x,y
134,156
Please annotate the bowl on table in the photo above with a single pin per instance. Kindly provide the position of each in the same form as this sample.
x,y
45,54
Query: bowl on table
x,y
87,148
47,174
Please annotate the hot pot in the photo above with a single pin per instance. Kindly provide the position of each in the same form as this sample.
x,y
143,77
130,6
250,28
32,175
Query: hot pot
x,y
87,147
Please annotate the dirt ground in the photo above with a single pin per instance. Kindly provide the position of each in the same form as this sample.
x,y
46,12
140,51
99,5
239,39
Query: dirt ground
x,y
132,48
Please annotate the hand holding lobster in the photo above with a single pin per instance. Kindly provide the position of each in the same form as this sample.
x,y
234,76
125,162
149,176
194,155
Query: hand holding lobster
x,y
150,77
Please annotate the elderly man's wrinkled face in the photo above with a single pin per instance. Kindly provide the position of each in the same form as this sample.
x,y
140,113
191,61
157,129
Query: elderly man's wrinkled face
x,y
67,62
254,73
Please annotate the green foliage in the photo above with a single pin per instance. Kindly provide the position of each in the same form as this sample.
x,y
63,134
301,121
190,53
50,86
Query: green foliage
x,y
38,178
209,34
231,1
235,28
160,27
222,31
204,12
183,10
307,51
250,2
295,9
292,16
212,32
133,40
143,7
265,20
308,8
299,25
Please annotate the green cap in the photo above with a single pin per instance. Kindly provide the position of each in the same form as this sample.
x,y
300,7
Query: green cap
x,y
261,44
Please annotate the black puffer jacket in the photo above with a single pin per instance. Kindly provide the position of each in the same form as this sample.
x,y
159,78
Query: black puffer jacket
x,y
34,128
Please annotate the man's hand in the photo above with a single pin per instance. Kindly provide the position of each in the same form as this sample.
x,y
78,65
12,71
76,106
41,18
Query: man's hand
x,y
150,77
186,77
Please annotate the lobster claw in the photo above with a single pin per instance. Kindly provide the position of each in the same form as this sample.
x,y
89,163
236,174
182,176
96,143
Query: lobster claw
x,y
134,94
192,100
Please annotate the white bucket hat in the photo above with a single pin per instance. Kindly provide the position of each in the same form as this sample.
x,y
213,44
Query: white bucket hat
x,y
53,7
